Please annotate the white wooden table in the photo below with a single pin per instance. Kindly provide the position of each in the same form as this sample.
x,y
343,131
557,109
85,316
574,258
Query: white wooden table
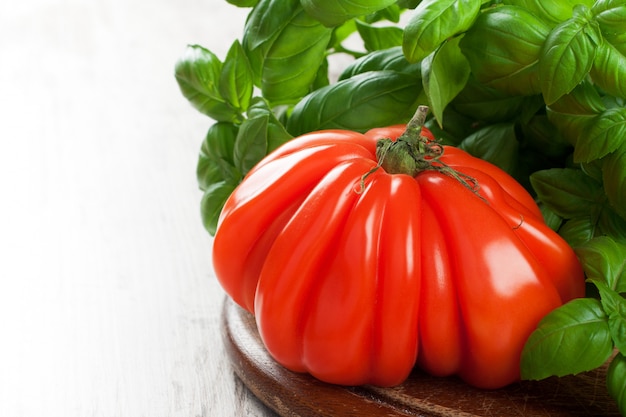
x,y
108,303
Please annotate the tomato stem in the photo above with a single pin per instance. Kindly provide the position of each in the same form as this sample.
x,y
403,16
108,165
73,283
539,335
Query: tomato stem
x,y
412,153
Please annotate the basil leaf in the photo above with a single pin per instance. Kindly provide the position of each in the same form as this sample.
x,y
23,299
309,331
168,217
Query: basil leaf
x,y
391,13
286,47
266,21
617,40
276,132
616,381
365,101
541,135
611,224
614,178
334,13
215,162
198,75
495,143
236,77
568,54
212,203
583,100
578,231
503,48
609,70
243,3
604,260
458,127
444,73
551,11
487,104
615,307
433,22
574,112
251,143
610,15
321,79
593,169
604,135
569,192
386,59
571,339
379,37
408,4
553,220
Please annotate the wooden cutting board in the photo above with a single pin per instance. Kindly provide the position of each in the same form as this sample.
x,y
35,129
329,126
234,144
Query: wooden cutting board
x,y
291,394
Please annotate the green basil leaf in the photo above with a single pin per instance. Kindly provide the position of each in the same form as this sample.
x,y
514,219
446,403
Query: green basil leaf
x,y
198,75
571,339
371,99
236,78
593,169
503,48
433,22
610,15
543,136
208,173
251,143
334,13
603,136
615,307
243,3
611,224
569,192
321,79
266,21
286,47
486,104
495,143
550,11
408,4
391,59
379,37
458,127
578,231
391,13
341,33
444,73
215,162
568,54
553,220
609,70
276,132
617,40
575,112
583,100
604,260
614,178
212,203
616,381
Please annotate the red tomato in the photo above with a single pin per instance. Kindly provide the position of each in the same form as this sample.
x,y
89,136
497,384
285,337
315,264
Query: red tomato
x,y
356,279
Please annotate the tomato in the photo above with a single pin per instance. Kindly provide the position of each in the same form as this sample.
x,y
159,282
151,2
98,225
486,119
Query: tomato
x,y
356,275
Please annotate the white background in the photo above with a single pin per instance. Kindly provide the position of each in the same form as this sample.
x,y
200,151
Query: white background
x,y
108,306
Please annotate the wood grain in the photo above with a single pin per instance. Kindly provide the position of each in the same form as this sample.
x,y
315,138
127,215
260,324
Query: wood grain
x,y
291,394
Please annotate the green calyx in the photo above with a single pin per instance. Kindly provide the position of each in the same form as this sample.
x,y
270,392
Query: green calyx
x,y
412,153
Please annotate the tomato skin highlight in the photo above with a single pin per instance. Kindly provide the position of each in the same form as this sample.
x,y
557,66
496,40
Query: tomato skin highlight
x,y
356,275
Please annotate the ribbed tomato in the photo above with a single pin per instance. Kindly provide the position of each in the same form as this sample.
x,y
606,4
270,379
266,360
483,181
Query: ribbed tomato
x,y
356,274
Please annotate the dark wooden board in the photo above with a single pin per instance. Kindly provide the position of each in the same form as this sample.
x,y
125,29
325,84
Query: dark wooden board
x,y
292,394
